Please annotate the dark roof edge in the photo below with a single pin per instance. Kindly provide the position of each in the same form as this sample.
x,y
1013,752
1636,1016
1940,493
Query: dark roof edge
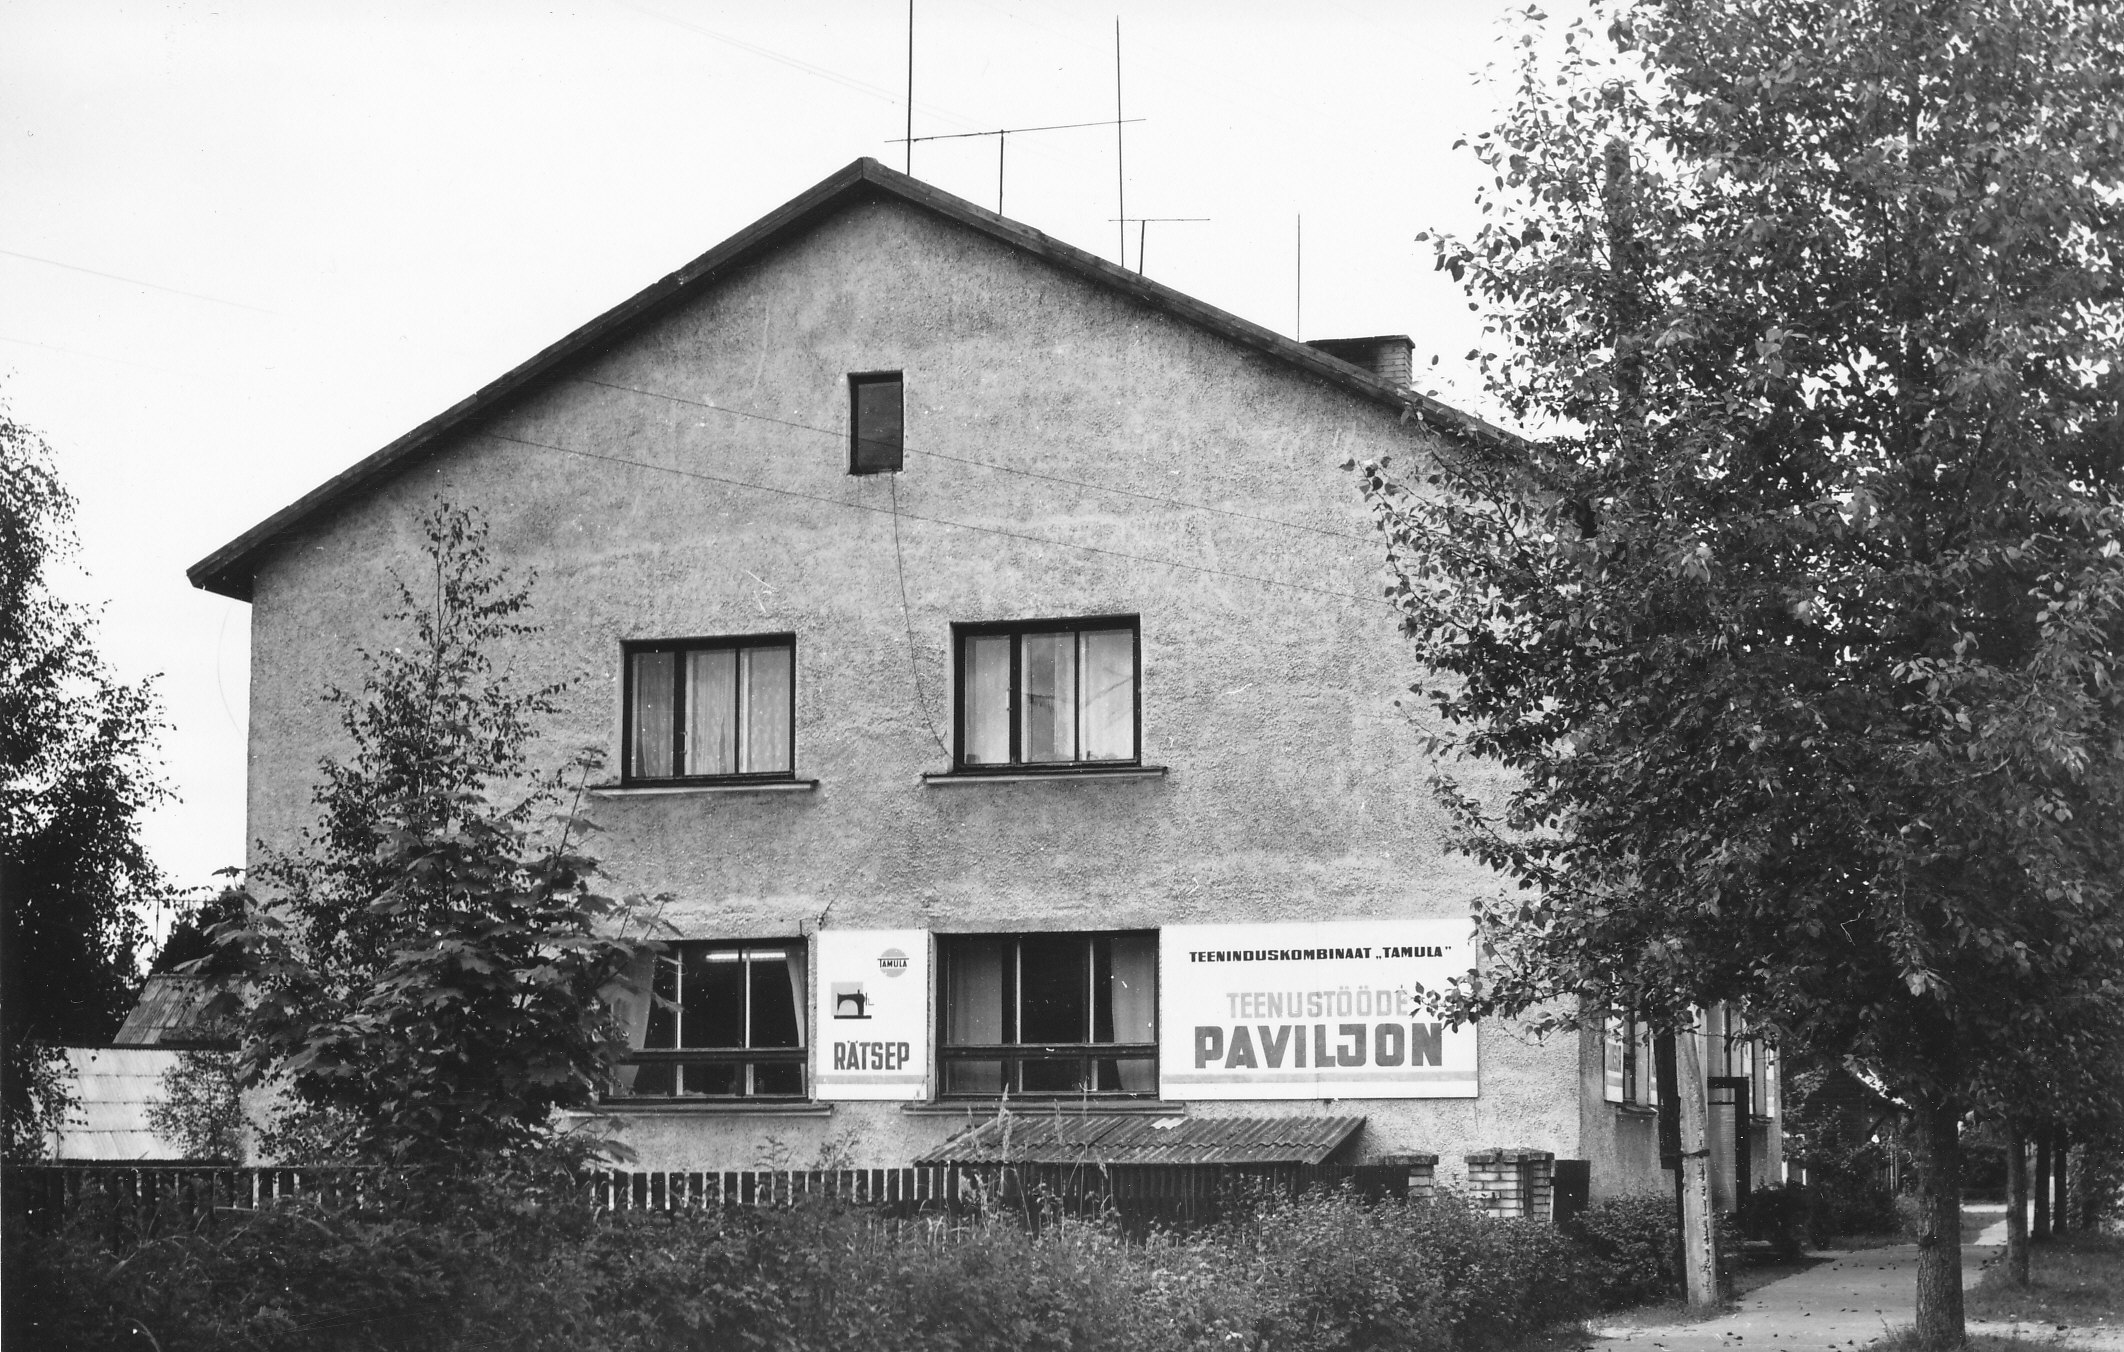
x,y
228,570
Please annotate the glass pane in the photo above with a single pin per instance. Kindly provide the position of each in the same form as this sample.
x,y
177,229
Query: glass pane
x,y
656,1079
973,1077
1109,694
973,993
1048,707
1138,1076
652,682
1053,1076
1133,988
1054,1000
778,1081
879,425
984,696
662,1031
766,711
712,1000
774,1011
723,1080
711,712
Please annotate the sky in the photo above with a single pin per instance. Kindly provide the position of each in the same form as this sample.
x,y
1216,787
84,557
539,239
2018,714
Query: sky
x,y
245,243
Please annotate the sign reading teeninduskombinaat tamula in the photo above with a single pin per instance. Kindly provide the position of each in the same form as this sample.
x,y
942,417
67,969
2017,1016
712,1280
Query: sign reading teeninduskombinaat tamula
x,y
1310,1011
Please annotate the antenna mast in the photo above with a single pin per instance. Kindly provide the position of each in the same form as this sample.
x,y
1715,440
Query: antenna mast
x,y
910,88
1120,171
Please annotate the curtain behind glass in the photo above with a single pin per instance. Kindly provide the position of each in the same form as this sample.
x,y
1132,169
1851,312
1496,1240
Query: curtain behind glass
x,y
1047,665
1109,668
985,696
766,706
1135,1000
652,715
973,1013
711,712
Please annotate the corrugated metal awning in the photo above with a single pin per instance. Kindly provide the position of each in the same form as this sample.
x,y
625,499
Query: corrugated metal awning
x,y
1091,1138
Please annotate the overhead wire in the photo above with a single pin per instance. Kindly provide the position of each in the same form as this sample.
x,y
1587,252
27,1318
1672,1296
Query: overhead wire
x,y
990,465
1021,536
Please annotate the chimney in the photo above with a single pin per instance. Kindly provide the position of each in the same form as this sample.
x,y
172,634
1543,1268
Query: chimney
x,y
1387,356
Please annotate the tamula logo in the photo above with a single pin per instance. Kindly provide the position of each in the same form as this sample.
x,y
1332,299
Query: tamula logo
x,y
892,962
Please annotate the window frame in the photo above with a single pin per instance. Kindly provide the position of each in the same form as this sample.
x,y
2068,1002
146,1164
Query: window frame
x,y
1016,630
679,647
857,380
746,1057
1013,1055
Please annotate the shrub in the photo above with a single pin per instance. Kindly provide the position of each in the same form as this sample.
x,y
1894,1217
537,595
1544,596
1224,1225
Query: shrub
x,y
1630,1251
430,1261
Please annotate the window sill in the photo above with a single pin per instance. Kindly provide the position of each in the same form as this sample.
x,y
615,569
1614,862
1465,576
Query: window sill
x,y
962,778
1032,1107
675,790
712,1108
1634,1110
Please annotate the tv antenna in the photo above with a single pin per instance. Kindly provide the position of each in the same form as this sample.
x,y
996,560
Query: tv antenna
x,y
1143,224
1002,135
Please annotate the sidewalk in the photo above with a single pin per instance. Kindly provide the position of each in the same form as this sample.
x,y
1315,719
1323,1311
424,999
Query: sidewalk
x,y
1855,1297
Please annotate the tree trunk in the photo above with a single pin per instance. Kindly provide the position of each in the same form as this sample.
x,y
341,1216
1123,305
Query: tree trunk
x,y
2060,1170
1699,1261
1939,1273
2016,1207
2042,1184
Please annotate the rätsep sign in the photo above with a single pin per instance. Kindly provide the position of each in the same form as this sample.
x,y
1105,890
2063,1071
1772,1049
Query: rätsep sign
x,y
871,1038
1305,1011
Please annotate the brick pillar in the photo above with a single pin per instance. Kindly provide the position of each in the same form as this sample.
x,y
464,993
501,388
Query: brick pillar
x,y
1423,1174
1512,1184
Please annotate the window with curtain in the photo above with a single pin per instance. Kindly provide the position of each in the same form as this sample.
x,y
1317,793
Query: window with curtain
x,y
1048,1014
711,709
1047,694
721,1020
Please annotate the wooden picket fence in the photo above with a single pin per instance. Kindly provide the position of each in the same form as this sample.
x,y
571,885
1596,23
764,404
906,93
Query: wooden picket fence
x,y
132,1202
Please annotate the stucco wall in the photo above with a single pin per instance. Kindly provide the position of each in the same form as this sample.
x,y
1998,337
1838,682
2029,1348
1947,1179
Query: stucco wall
x,y
1295,790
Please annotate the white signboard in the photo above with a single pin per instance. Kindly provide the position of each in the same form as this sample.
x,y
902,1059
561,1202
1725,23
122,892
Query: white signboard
x,y
871,1026
1309,1011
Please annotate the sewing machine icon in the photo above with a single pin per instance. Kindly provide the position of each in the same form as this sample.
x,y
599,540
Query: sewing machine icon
x,y
850,1001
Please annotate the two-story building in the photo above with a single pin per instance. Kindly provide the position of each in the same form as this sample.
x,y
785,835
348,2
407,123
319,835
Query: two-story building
x,y
993,664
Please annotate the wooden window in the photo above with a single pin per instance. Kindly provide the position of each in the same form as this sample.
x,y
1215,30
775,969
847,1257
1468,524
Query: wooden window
x,y
877,421
710,710
1048,1014
725,1020
1048,694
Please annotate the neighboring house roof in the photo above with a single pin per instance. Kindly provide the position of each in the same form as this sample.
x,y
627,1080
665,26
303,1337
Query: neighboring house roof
x,y
114,1087
229,569
171,1013
1087,1138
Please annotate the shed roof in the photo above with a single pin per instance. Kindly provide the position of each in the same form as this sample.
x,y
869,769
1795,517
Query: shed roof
x,y
1093,1138
114,1087
171,1012
229,569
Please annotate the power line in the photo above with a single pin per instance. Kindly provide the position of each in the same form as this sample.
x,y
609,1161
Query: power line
x,y
936,520
989,465
133,281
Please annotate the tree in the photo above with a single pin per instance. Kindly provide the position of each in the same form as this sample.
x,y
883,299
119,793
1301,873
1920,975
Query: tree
x,y
425,972
1800,623
76,771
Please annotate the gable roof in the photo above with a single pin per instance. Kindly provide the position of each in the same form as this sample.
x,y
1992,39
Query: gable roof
x,y
229,569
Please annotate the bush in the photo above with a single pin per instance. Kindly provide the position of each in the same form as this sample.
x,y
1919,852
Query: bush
x,y
1631,1251
523,1262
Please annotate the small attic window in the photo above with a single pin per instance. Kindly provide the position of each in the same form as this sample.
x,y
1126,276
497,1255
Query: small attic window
x,y
877,423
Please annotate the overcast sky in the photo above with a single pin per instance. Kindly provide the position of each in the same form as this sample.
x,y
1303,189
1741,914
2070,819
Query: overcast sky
x,y
245,243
